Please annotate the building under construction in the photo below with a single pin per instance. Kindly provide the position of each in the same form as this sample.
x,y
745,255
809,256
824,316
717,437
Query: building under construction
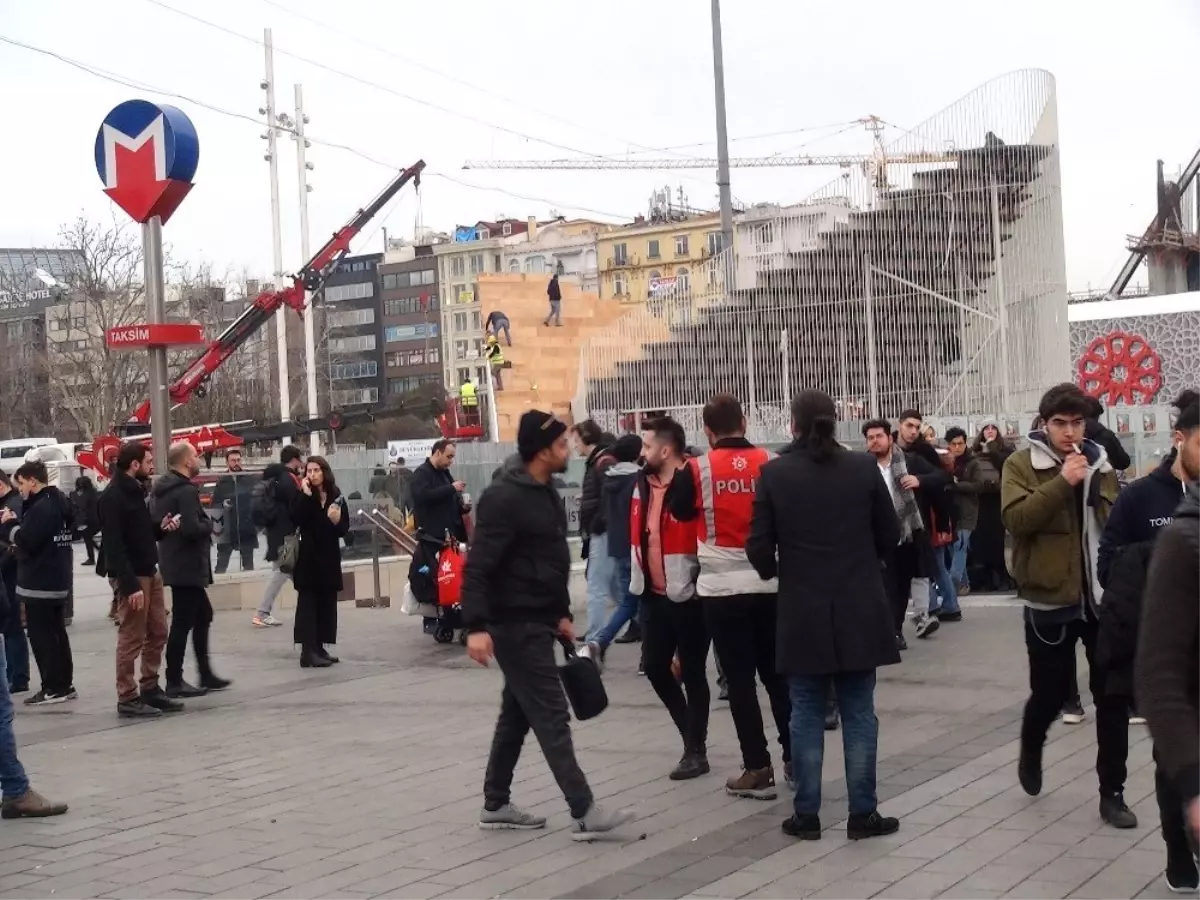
x,y
932,275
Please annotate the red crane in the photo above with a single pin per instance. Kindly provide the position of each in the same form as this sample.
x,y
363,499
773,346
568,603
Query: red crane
x,y
192,381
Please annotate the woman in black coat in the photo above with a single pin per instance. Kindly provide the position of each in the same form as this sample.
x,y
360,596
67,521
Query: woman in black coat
x,y
321,515
986,556
823,520
85,501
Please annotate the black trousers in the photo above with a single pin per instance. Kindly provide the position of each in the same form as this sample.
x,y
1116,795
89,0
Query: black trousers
x,y
532,698
89,543
1170,814
191,612
225,551
669,628
902,567
1051,650
316,618
46,625
743,634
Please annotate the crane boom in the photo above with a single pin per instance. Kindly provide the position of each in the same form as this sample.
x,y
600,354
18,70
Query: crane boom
x,y
311,277
740,162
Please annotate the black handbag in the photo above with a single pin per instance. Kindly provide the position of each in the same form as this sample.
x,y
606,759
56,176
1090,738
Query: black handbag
x,y
582,684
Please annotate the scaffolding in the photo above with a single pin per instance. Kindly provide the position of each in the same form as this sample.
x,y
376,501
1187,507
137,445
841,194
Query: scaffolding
x,y
943,289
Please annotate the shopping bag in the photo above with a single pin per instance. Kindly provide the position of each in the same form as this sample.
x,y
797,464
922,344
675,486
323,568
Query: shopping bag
x,y
409,604
449,576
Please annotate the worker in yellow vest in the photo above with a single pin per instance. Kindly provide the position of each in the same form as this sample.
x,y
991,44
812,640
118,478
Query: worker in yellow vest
x,y
495,358
466,395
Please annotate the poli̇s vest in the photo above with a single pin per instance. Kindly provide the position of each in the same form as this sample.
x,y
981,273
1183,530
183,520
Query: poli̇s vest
x,y
678,548
725,481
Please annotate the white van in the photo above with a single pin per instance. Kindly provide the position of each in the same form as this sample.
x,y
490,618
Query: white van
x,y
12,453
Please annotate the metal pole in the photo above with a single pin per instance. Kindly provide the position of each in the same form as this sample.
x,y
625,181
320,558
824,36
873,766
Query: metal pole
x,y
493,418
786,351
310,336
281,343
160,405
752,398
375,564
1001,306
722,134
872,360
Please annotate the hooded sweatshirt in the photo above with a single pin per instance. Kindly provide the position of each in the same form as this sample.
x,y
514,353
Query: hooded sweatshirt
x,y
43,542
1056,528
616,492
1143,509
519,564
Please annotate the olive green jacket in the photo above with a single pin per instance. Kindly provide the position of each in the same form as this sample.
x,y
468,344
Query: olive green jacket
x,y
1035,502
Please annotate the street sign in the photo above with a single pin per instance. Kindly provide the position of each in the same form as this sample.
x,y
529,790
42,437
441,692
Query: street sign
x,y
141,337
146,156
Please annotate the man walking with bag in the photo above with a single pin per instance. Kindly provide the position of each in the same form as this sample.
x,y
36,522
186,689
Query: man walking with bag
x,y
517,607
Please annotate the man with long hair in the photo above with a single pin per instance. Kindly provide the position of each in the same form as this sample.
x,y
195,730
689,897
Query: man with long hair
x,y
822,522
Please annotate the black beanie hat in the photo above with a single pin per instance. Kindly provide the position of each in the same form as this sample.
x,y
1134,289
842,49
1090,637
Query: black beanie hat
x,y
537,431
627,448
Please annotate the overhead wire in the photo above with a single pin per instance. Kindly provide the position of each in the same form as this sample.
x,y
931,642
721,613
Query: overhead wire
x,y
127,81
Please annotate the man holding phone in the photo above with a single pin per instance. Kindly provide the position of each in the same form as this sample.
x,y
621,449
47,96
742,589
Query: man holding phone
x,y
1055,497
129,557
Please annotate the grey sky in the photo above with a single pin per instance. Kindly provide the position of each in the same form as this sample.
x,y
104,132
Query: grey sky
x,y
625,72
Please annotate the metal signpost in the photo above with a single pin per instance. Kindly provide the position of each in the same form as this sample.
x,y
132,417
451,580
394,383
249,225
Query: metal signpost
x,y
146,155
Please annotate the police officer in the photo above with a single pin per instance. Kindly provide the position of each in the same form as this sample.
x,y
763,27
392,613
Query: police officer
x,y
717,490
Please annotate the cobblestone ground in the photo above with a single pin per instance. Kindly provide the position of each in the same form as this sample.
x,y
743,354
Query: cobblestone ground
x,y
363,780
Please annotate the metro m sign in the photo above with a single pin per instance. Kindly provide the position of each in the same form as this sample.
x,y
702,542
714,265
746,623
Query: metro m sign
x,y
140,337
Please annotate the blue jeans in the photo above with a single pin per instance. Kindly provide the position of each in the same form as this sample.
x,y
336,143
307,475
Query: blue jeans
x,y
13,782
958,560
860,737
599,583
943,596
502,325
627,611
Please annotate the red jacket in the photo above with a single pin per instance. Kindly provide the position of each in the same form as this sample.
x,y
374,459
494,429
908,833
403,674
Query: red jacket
x,y
678,545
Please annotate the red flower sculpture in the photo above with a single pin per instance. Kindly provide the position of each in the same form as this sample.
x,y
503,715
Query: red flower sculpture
x,y
1120,367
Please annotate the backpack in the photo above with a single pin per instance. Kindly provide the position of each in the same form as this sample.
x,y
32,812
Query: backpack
x,y
264,509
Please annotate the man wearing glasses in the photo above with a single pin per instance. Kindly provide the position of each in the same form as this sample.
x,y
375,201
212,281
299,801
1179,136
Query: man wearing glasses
x,y
1055,496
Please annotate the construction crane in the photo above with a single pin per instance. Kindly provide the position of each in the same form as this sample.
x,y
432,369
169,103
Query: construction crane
x,y
874,164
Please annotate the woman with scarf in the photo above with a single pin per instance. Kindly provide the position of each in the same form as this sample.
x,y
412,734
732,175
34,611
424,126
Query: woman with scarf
x,y
987,540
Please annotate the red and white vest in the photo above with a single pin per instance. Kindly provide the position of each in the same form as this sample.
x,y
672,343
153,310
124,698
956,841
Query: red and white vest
x,y
725,480
678,548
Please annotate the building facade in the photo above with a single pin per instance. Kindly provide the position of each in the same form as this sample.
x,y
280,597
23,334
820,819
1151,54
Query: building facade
x,y
410,305
350,345
567,247
655,255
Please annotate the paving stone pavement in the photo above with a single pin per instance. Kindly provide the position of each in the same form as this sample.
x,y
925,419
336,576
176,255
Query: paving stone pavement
x,y
364,780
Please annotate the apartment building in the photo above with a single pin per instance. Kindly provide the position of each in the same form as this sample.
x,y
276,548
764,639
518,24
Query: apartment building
x,y
409,327
349,344
565,246
656,254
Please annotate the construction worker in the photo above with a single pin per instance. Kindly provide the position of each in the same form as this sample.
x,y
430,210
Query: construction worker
x,y
467,399
495,358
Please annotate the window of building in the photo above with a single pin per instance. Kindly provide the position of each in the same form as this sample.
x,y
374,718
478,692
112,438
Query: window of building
x,y
481,375
463,375
476,320
57,323
460,321
460,349
351,317
535,265
79,322
404,358
620,255
514,265
356,344
655,274
681,245
506,229
433,355
620,285
476,263
389,282
428,276
482,233
402,306
652,249
682,283
406,383
497,263
340,292
764,234
394,333
80,345
714,243
458,266
363,368
464,293
351,396
477,348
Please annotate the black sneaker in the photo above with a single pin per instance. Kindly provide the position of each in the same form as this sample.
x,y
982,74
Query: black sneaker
x,y
41,698
212,683
158,699
1114,811
950,616
632,635
831,717
901,643
1073,712
1029,773
181,690
136,709
1181,874
806,828
872,825
692,765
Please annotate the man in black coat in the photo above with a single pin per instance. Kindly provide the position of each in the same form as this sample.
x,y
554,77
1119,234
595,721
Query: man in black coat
x,y
42,540
822,522
517,606
437,501
16,648
184,555
594,445
129,557
234,493
281,482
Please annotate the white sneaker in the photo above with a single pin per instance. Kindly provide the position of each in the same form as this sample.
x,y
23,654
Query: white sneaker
x,y
926,624
1137,720
598,822
266,621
